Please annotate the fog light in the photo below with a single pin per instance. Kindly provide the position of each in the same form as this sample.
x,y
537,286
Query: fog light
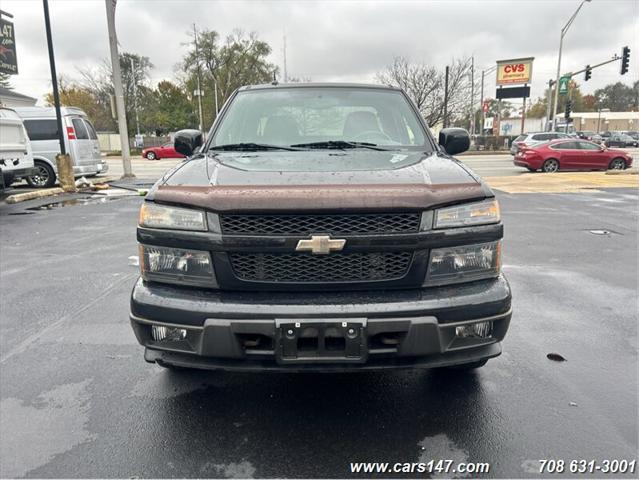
x,y
475,330
167,334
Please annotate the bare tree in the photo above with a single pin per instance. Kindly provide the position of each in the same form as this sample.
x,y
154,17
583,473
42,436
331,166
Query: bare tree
x,y
425,85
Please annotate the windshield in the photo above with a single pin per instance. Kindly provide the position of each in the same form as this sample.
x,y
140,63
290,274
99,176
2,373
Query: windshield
x,y
321,117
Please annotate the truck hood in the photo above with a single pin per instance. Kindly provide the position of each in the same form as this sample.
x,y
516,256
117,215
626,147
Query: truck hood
x,y
311,180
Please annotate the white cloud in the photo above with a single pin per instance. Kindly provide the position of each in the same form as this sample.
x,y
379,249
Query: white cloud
x,y
334,41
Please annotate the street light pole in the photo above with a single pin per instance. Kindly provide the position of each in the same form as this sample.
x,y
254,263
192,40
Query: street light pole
x,y
117,87
564,30
199,87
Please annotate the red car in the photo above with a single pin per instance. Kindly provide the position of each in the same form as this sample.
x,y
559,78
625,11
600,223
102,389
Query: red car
x,y
571,154
164,151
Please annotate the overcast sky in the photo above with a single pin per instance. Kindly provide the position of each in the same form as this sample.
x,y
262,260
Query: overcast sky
x,y
335,40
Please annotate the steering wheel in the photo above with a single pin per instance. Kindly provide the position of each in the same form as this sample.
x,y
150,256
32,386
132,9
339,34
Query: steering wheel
x,y
371,135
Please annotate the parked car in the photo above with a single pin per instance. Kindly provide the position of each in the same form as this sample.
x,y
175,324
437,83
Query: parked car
x,y
588,135
320,227
80,140
572,155
621,140
532,139
16,157
634,135
164,151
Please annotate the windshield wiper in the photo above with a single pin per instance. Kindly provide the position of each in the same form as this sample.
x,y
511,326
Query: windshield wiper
x,y
250,147
339,144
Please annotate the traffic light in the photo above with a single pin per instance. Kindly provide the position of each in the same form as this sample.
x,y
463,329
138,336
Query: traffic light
x,y
588,73
568,110
625,60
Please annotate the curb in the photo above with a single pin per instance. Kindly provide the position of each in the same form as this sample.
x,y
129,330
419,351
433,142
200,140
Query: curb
x,y
21,197
622,172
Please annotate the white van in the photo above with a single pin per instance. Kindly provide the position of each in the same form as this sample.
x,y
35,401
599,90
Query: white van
x,y
81,143
16,158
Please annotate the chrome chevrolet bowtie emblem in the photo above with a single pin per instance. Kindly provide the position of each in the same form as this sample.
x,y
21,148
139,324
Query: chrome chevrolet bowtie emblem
x,y
320,245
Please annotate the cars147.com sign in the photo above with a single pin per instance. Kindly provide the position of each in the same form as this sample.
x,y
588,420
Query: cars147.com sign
x,y
516,71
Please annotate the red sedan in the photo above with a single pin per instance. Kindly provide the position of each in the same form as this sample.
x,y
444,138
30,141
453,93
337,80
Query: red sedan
x,y
164,151
571,154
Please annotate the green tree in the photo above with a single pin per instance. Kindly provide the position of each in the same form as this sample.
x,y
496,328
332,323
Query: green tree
x,y
618,97
580,102
238,60
167,109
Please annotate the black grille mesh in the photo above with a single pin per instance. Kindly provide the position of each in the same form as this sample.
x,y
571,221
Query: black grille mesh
x,y
308,268
335,224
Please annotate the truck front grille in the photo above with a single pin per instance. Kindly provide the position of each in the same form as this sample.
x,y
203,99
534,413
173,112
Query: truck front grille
x,y
309,224
308,268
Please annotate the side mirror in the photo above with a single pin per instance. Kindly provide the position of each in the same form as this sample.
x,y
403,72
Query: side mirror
x,y
186,141
454,140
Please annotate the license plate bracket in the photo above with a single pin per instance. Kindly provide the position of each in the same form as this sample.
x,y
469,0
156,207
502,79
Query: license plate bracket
x,y
321,340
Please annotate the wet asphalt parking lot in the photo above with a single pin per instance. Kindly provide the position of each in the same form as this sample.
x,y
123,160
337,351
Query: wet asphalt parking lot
x,y
77,399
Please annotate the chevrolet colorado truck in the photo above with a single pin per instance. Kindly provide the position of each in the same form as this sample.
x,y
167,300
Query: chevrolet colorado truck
x,y
320,227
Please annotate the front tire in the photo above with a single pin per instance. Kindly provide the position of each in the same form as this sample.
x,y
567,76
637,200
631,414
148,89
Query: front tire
x,y
617,164
550,166
151,156
45,178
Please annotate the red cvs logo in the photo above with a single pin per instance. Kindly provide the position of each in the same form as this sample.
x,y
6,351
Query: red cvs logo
x,y
515,68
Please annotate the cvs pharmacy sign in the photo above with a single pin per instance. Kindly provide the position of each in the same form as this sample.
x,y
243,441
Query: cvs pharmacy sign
x,y
514,71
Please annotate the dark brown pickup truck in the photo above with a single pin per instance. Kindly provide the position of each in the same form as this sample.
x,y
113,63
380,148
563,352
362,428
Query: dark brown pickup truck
x,y
320,227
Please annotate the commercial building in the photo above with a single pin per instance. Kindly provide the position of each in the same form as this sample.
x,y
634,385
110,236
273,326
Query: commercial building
x,y
606,121
9,98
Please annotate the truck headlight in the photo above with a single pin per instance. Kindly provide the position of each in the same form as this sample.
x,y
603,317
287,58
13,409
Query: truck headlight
x,y
468,214
463,263
153,215
176,265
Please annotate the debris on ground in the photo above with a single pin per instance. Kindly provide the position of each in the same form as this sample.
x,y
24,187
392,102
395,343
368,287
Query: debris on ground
x,y
555,357
82,182
573,404
134,261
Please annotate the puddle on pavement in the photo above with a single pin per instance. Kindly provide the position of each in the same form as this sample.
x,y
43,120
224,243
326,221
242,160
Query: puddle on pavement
x,y
75,201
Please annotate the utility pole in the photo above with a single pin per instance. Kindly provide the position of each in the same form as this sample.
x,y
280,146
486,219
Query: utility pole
x,y
472,95
523,117
446,98
481,102
117,86
135,97
54,77
199,88
63,160
284,52
551,82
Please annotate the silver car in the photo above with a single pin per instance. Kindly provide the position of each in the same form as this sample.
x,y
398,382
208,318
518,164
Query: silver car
x,y
533,139
80,139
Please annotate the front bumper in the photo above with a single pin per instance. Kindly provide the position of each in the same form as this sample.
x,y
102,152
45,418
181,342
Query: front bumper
x,y
390,329
91,169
